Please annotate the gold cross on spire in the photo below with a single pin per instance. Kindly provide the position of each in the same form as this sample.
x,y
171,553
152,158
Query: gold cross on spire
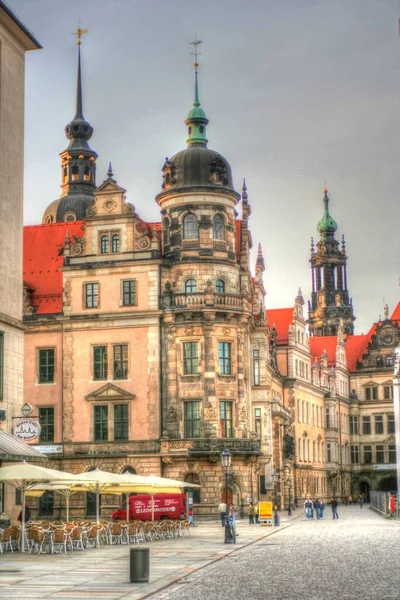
x,y
79,33
196,52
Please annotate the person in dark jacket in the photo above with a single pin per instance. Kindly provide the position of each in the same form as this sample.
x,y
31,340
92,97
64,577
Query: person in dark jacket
x,y
27,514
334,506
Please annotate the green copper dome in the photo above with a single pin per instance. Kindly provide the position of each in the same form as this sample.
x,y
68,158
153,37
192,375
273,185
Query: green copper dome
x,y
327,225
196,120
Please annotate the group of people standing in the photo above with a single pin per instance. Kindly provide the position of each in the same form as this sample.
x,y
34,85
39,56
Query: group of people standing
x,y
253,512
312,507
318,506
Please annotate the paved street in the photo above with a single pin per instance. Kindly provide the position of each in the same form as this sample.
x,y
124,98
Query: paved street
x,y
356,557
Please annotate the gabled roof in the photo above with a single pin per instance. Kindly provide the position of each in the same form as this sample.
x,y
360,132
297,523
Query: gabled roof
x,y
42,262
396,313
326,343
282,319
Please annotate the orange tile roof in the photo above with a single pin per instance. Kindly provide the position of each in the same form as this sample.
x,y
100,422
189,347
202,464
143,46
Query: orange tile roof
x,y
327,343
396,313
42,262
282,319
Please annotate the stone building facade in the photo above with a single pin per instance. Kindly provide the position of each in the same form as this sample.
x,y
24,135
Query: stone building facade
x,y
148,347
15,40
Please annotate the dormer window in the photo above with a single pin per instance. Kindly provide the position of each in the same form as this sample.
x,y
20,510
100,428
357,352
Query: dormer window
x,y
104,244
115,243
190,227
218,228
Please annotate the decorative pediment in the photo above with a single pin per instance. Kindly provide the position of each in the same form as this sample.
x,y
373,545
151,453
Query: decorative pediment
x,y
110,186
110,393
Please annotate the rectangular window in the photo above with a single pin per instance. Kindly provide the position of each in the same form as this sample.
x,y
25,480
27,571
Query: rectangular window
x,y
327,418
328,452
100,423
121,361
190,358
380,455
391,424
388,392
353,425
46,420
224,355
121,422
378,424
46,365
263,488
256,367
192,419
91,295
225,420
367,455
355,455
1,364
366,425
129,292
257,421
100,362
371,393
392,454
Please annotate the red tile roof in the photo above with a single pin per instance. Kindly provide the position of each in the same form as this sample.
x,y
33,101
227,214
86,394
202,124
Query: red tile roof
x,y
396,313
282,319
328,343
42,262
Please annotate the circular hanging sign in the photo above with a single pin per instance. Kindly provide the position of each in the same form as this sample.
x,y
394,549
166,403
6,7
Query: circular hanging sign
x,y
27,429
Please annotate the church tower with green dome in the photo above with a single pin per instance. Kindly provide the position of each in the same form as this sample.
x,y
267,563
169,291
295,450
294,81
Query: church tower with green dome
x,y
330,301
210,304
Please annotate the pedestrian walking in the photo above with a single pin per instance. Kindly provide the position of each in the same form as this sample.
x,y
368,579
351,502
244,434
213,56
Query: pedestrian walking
x,y
317,507
232,514
256,512
361,500
334,506
250,512
222,512
350,500
321,509
308,508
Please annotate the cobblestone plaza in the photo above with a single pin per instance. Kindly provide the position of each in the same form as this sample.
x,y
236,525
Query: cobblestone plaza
x,y
356,556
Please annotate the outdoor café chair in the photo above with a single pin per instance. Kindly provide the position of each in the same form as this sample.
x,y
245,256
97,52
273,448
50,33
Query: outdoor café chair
x,y
58,541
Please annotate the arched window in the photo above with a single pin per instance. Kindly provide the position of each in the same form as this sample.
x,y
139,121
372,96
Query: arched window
x,y
129,470
91,499
194,478
190,286
218,228
46,504
115,243
104,244
190,227
220,286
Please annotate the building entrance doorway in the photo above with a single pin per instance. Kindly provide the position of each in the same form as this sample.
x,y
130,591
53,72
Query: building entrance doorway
x,y
230,496
364,489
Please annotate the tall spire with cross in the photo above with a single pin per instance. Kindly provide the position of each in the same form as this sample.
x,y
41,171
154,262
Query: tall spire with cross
x,y
196,120
78,161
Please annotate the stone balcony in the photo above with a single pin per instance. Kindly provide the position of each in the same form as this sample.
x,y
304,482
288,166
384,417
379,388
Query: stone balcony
x,y
111,448
206,299
211,447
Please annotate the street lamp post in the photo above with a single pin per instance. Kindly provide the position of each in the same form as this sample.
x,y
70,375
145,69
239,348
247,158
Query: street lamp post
x,y
289,484
276,516
226,465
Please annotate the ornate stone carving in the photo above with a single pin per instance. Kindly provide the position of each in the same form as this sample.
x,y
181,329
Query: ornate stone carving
x,y
243,414
91,211
172,416
210,414
168,171
218,171
109,205
142,239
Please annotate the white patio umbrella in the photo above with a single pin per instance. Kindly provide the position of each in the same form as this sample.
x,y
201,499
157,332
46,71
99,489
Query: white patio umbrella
x,y
63,489
24,476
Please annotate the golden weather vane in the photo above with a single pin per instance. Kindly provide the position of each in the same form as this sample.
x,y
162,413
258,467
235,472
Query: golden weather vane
x,y
196,52
79,33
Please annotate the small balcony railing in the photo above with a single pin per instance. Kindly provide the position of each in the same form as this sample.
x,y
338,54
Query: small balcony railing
x,y
206,299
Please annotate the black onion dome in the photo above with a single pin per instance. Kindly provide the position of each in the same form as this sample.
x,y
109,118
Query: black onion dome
x,y
197,167
74,203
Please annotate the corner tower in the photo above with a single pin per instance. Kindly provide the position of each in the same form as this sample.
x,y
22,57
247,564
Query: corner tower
x,y
330,301
78,164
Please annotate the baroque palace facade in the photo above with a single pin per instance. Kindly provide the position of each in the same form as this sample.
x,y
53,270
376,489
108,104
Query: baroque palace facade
x,y
148,347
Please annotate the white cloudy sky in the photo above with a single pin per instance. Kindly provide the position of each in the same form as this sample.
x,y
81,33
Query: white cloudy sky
x,y
297,92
